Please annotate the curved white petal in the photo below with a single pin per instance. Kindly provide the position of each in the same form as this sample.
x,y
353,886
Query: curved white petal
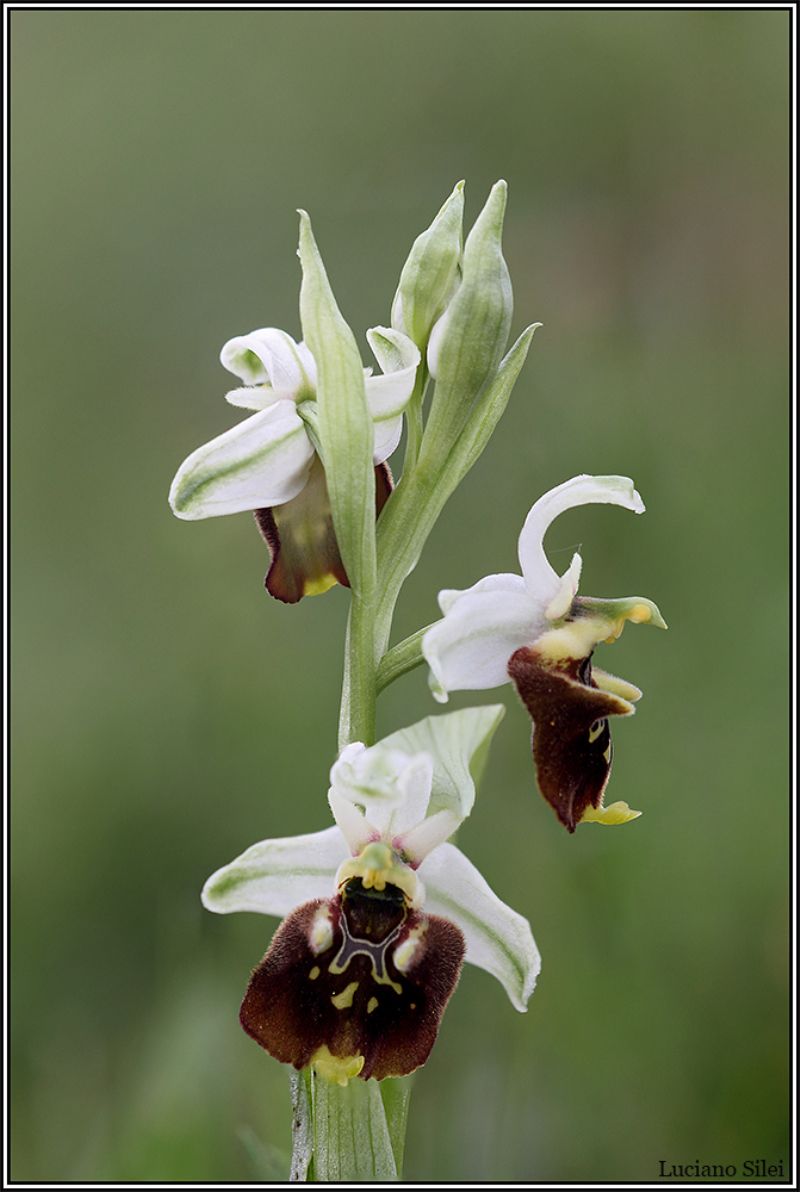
x,y
398,357
275,876
270,355
387,437
542,581
469,649
257,397
498,939
503,582
262,462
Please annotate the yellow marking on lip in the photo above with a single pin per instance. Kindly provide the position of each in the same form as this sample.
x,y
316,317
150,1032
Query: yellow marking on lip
x,y
372,1004
314,973
344,1000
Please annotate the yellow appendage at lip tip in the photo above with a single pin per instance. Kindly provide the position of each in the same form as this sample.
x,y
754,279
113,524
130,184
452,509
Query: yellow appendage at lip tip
x,y
318,587
336,1069
615,813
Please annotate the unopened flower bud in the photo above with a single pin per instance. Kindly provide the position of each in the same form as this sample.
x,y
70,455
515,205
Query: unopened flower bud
x,y
430,275
467,343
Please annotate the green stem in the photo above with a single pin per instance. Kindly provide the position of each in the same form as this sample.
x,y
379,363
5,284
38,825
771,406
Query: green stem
x,y
359,691
401,659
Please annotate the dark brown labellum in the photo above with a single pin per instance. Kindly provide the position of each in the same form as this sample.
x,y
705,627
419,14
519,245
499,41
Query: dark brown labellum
x,y
305,558
571,739
360,974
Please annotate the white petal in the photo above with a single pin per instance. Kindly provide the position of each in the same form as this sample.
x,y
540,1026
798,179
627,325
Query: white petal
x,y
270,355
257,397
414,781
459,744
503,582
275,876
351,822
424,837
392,785
498,939
559,606
543,582
307,362
398,357
387,437
262,462
469,649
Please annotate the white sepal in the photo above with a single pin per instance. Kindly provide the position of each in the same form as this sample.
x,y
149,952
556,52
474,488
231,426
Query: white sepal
x,y
263,461
470,647
387,438
505,581
274,876
257,397
398,357
498,939
272,356
260,463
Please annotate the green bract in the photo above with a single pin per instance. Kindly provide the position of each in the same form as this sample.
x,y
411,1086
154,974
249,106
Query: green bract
x,y
345,426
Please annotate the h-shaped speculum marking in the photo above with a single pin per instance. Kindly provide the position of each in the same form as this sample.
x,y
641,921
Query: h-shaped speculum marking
x,y
353,946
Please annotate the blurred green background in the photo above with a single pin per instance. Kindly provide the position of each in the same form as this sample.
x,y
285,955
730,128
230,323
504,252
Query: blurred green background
x,y
168,714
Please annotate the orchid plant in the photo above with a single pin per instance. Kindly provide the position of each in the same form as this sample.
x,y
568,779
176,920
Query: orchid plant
x,y
380,909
